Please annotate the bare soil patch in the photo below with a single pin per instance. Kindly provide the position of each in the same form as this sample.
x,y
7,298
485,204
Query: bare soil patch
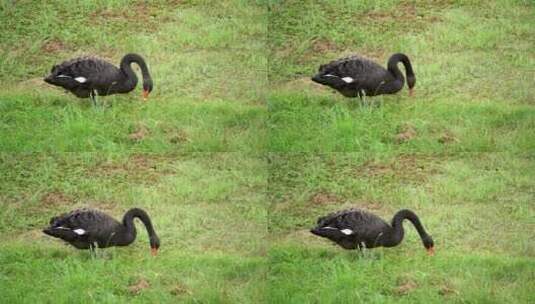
x,y
179,137
448,138
406,133
138,287
446,290
56,198
405,287
180,289
323,45
138,168
53,46
140,13
415,168
324,198
408,14
139,134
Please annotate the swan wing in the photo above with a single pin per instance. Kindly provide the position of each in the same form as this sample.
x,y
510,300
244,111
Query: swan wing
x,y
353,73
88,72
84,222
357,223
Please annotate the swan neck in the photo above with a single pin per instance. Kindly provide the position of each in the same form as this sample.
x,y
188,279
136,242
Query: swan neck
x,y
395,234
397,222
394,69
393,66
126,68
128,221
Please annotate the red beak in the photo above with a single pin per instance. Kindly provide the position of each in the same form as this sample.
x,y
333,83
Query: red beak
x,y
154,251
145,94
431,251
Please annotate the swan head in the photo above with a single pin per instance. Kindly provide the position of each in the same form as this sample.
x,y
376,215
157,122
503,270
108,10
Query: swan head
x,y
429,244
154,244
147,88
411,81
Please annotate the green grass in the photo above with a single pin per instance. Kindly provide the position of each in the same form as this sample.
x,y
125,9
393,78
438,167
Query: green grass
x,y
236,153
192,199
207,60
477,206
473,62
59,153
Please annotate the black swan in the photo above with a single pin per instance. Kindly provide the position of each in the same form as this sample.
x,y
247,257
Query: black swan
x,y
357,76
356,229
88,228
89,76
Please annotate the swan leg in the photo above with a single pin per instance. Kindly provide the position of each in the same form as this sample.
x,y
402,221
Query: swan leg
x,y
363,94
363,251
360,251
363,99
359,94
93,250
94,97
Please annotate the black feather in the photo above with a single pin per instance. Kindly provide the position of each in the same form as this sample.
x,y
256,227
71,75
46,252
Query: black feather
x,y
101,77
368,76
99,228
367,229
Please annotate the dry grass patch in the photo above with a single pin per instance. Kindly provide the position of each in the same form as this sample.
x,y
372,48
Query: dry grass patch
x,y
138,287
324,198
414,168
56,199
54,45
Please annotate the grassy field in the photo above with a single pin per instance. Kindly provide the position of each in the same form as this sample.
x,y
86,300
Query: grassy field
x,y
207,208
236,152
208,63
474,67
477,206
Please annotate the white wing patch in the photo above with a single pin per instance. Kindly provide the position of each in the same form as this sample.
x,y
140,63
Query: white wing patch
x,y
79,231
347,231
81,79
348,79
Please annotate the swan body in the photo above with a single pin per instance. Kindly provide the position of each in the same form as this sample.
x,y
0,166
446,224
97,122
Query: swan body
x,y
90,76
88,229
357,76
357,229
